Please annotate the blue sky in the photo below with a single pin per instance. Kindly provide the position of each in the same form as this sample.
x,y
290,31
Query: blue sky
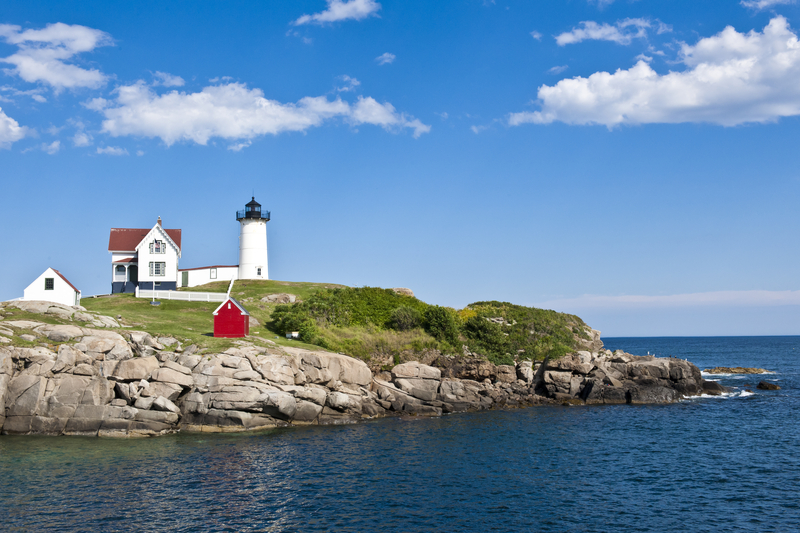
x,y
632,162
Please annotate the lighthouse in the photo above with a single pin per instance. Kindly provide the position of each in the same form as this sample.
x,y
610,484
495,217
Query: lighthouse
x,y
253,241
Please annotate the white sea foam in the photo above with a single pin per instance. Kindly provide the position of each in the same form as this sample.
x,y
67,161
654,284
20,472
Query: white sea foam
x,y
723,396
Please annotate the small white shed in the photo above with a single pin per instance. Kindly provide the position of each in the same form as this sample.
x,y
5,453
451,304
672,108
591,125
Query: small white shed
x,y
52,286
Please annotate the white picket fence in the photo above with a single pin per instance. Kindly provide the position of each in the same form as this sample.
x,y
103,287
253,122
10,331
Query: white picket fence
x,y
185,296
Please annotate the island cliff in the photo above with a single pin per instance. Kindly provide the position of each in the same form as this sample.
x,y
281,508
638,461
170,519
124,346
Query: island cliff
x,y
122,383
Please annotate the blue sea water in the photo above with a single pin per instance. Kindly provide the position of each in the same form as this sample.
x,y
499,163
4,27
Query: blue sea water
x,y
703,465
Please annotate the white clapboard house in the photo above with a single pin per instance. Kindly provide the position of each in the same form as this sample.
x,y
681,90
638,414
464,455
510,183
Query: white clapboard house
x,y
144,258
52,286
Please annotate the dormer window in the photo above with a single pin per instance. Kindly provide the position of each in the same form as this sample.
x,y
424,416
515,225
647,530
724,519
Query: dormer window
x,y
157,247
48,284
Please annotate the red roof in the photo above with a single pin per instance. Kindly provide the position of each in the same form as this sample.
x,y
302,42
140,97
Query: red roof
x,y
65,279
128,260
127,239
204,268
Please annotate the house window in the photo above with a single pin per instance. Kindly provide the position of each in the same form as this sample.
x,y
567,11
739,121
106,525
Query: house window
x,y
258,271
120,273
48,284
157,247
158,269
213,273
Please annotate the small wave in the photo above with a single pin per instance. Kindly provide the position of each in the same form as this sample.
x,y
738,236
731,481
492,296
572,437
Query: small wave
x,y
724,395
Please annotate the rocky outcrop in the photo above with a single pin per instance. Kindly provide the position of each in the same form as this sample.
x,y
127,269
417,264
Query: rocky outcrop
x,y
765,385
88,381
735,370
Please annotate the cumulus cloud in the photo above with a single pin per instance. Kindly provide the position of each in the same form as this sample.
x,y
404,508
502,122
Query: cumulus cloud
x,y
370,111
386,58
112,150
621,32
536,35
42,54
698,299
731,78
233,112
764,4
51,148
350,84
167,80
342,10
10,130
82,138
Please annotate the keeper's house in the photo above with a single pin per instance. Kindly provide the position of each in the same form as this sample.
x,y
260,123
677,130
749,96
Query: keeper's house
x,y
144,258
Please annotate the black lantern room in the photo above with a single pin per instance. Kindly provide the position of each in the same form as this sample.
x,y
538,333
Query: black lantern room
x,y
252,210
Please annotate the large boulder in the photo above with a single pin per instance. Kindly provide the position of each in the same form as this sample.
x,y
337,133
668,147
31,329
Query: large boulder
x,y
135,369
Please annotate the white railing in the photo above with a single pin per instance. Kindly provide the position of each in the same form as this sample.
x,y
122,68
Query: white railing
x,y
185,296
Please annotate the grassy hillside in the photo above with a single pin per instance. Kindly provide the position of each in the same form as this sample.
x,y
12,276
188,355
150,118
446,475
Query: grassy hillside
x,y
373,324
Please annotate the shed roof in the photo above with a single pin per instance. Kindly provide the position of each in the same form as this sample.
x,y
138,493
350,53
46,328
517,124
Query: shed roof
x,y
235,302
127,239
65,279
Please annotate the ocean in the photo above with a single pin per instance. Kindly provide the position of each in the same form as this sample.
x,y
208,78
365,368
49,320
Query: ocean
x,y
713,464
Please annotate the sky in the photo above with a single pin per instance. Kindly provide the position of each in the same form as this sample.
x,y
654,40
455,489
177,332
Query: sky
x,y
631,162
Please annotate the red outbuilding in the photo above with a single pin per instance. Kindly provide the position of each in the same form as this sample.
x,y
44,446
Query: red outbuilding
x,y
231,319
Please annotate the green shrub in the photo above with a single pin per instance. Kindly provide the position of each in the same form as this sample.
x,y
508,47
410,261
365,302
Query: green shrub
x,y
442,324
405,318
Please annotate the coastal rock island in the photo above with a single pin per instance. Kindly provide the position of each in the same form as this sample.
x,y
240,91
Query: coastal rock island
x,y
103,381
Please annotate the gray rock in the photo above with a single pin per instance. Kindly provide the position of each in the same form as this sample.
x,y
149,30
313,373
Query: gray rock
x,y
135,369
170,391
163,404
167,375
144,403
306,411
415,369
27,337
84,370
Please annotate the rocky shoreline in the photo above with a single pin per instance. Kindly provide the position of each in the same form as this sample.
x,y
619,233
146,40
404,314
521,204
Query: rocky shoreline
x,y
121,383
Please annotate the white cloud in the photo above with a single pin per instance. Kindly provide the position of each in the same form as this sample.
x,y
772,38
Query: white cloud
x,y
233,112
350,84
386,58
41,54
39,98
52,148
763,4
731,78
557,70
82,138
536,35
698,299
369,111
112,150
621,32
342,10
140,152
10,130
167,80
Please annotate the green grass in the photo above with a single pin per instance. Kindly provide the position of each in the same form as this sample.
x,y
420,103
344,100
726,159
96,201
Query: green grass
x,y
258,288
190,322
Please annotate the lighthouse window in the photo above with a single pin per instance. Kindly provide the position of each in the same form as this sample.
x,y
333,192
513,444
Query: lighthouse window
x,y
48,284
157,269
258,271
157,247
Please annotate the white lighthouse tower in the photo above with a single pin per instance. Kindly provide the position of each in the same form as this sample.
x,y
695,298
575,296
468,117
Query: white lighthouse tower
x,y
253,241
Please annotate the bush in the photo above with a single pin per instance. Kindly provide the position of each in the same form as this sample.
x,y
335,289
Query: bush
x,y
405,318
441,323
